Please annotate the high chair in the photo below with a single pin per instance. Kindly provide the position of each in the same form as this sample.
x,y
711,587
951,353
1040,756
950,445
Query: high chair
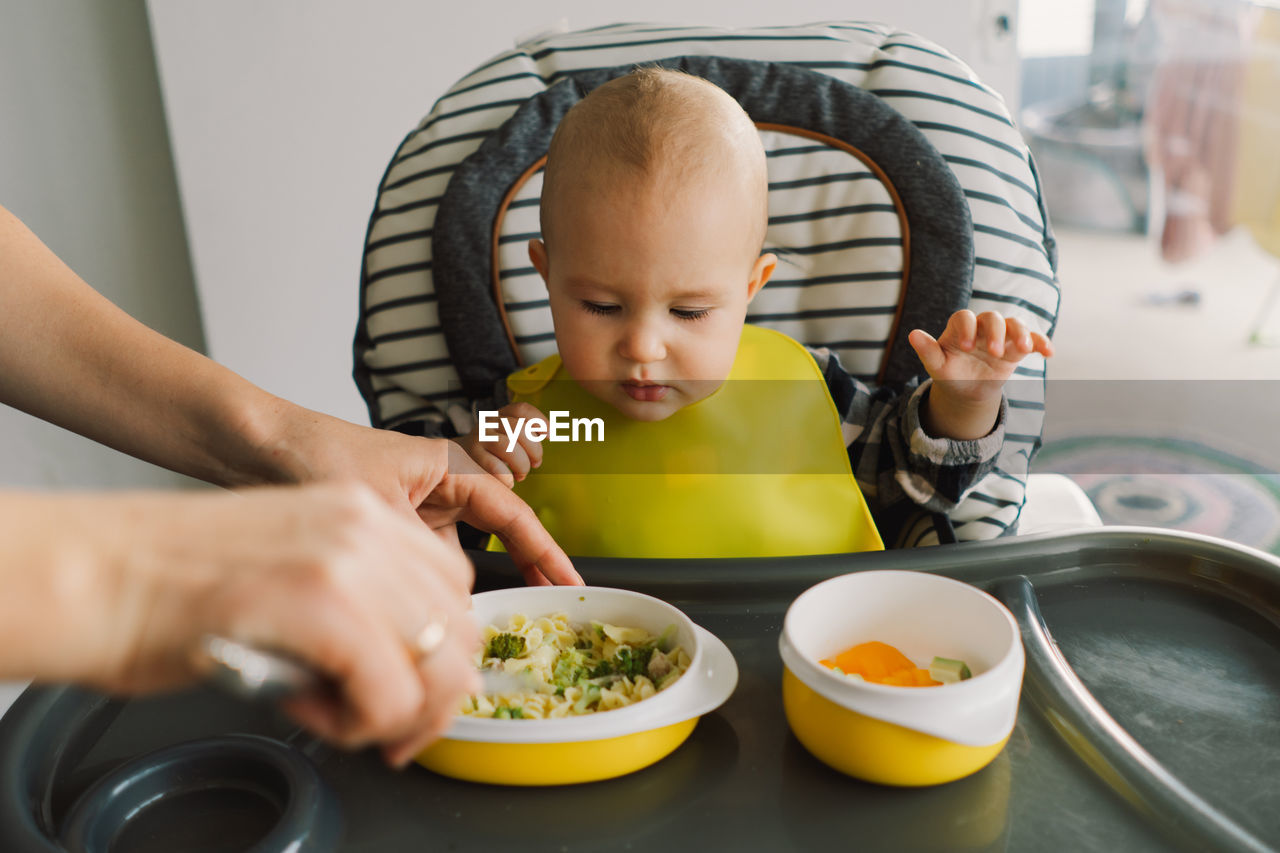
x,y
900,192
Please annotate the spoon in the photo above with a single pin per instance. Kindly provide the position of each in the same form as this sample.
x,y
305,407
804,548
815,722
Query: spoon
x,y
254,673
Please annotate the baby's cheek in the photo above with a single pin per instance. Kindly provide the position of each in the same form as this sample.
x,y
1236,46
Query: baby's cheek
x,y
715,359
584,364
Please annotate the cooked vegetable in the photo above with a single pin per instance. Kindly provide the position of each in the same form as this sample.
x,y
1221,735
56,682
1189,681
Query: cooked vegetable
x,y
589,697
570,669
505,646
632,662
948,670
880,663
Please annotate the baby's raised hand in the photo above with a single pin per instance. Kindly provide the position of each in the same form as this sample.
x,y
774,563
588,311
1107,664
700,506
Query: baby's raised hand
x,y
513,454
982,349
969,363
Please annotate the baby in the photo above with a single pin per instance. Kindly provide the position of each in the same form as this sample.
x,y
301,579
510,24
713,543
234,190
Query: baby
x,y
654,210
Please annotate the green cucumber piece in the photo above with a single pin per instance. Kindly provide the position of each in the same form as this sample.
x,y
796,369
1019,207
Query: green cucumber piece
x,y
949,671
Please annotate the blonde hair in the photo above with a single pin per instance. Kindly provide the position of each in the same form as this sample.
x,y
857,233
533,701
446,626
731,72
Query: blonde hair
x,y
658,124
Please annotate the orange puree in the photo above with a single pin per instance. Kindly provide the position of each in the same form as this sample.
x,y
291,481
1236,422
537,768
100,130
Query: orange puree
x,y
883,664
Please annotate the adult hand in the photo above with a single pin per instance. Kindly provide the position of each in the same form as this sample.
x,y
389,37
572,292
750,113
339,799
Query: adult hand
x,y
118,592
432,478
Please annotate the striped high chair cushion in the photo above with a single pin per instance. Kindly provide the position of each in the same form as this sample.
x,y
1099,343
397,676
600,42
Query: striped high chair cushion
x,y
836,225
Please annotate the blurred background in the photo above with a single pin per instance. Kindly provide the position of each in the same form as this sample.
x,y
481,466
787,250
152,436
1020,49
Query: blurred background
x,y
211,168
1160,119
1156,126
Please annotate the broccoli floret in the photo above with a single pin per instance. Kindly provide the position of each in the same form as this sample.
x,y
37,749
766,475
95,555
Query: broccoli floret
x,y
626,661
569,668
505,713
590,696
505,646
632,662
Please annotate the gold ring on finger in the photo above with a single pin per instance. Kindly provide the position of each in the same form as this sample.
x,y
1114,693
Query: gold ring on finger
x,y
429,637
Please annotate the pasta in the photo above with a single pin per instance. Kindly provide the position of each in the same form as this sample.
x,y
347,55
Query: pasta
x,y
573,669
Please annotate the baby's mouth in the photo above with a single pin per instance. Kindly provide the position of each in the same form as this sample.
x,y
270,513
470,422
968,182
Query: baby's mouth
x,y
645,392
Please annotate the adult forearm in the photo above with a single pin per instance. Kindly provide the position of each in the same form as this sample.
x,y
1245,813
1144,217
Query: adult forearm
x,y
69,356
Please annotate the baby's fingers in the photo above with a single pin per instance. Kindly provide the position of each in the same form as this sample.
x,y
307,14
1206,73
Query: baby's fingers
x,y
1018,342
1041,344
961,330
992,332
493,465
528,453
532,451
1021,341
929,350
516,459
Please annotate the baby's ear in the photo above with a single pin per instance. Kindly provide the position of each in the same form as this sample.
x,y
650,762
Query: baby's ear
x,y
761,273
538,257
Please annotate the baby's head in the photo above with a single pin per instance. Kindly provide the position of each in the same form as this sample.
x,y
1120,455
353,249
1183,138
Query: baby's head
x,y
653,215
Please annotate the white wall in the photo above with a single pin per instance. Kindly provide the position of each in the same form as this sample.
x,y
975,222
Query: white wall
x,y
84,161
1057,28
284,113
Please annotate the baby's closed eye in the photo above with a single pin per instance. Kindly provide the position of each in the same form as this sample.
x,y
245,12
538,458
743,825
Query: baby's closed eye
x,y
691,313
602,308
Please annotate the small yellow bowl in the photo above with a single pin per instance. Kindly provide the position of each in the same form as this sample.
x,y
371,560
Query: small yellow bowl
x,y
554,763
872,749
595,746
901,735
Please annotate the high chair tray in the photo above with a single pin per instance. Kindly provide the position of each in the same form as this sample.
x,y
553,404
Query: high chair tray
x,y
1150,718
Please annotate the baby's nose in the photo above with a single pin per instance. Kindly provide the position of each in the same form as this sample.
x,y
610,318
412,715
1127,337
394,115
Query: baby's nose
x,y
642,345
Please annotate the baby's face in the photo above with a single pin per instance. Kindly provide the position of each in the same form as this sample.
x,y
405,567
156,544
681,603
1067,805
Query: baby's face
x,y
649,291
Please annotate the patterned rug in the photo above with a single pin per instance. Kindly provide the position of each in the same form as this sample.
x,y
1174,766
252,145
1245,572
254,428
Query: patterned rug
x,y
1172,482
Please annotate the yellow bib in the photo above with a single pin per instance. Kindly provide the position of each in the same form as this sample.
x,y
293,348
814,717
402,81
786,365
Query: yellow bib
x,y
757,469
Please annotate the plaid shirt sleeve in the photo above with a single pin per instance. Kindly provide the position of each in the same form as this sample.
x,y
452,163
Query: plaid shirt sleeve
x,y
894,460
